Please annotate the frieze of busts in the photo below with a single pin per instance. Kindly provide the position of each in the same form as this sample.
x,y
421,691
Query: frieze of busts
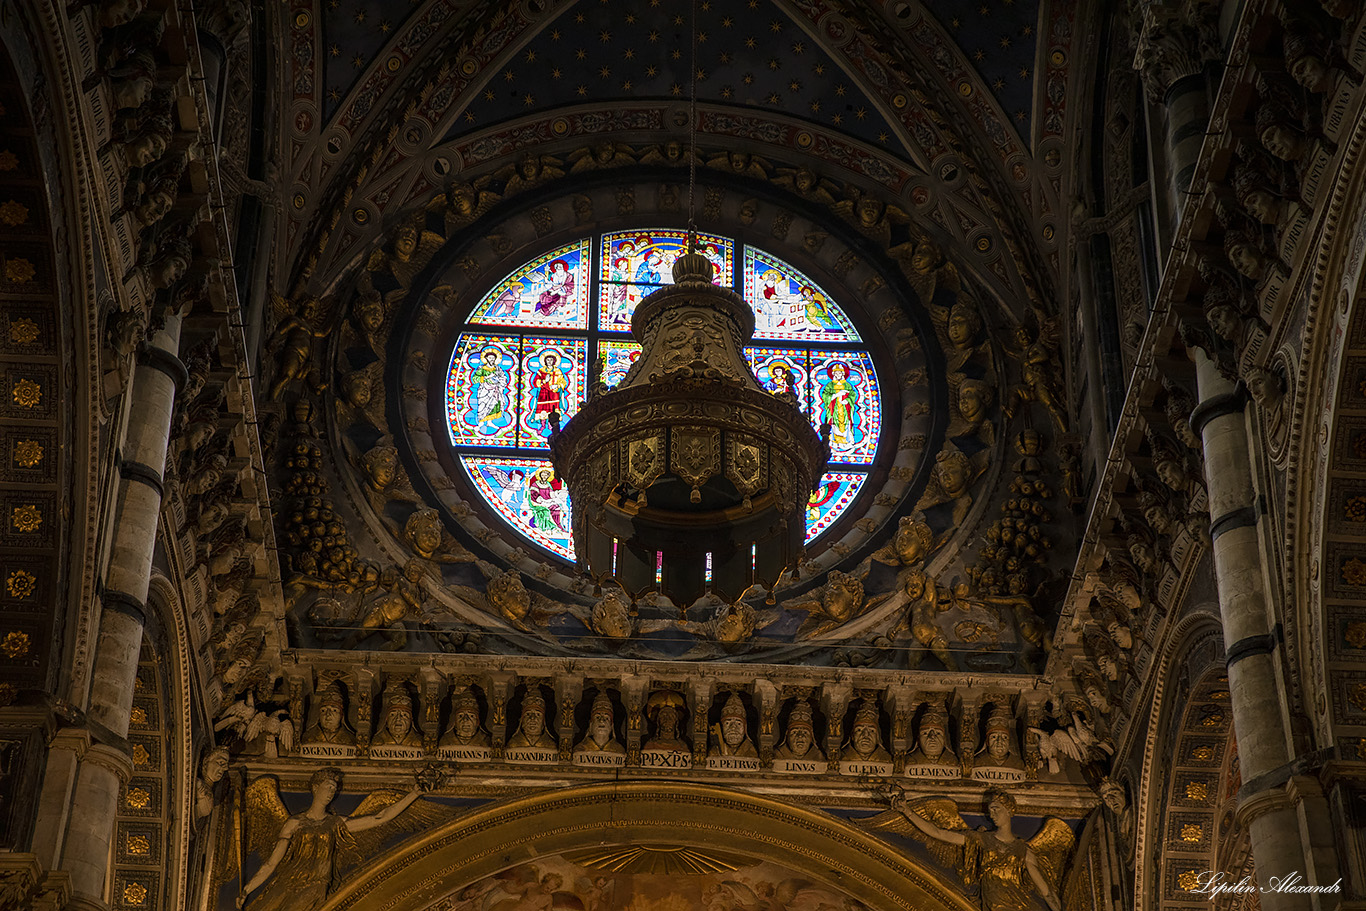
x,y
330,726
168,264
998,747
601,735
531,733
730,737
865,736
799,739
1309,55
1244,252
396,727
1255,185
665,710
1279,133
466,730
932,747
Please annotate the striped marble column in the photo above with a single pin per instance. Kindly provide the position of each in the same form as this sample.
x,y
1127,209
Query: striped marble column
x,y
1272,803
105,766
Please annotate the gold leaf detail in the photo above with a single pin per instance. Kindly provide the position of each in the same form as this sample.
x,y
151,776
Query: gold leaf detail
x,y
1355,634
1192,832
138,798
23,331
1197,790
1188,880
19,270
138,716
21,584
135,894
139,845
27,394
28,453
1202,754
13,213
26,518
140,755
15,644
8,160
1354,571
1354,510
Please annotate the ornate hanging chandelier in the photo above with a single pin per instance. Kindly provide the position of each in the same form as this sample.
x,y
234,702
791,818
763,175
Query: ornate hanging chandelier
x,y
689,476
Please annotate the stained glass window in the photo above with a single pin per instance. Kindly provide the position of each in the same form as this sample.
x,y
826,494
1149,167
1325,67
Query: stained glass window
x,y
533,342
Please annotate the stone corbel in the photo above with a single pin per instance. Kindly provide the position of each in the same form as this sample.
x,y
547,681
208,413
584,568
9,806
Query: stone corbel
x,y
432,686
363,687
834,703
700,694
766,702
568,692
900,702
498,687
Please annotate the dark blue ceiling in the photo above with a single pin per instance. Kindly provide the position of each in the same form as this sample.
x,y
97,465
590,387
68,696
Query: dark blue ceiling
x,y
998,38
749,53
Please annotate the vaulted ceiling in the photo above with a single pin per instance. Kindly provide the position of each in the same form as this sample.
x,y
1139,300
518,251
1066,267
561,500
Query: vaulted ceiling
x,y
957,112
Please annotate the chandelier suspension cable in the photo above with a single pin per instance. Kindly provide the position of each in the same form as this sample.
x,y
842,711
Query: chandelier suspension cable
x,y
692,136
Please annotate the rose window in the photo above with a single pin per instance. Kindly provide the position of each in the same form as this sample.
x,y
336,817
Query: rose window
x,y
541,336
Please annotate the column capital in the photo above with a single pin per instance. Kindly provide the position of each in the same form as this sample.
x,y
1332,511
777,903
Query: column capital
x,y
1259,804
1171,47
108,757
75,739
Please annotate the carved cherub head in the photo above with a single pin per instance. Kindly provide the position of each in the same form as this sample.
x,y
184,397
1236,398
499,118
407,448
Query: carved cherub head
x,y
912,540
843,595
380,465
422,531
509,595
953,472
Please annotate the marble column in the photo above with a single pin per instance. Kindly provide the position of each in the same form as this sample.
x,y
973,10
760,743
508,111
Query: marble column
x,y
1275,813
105,766
1171,55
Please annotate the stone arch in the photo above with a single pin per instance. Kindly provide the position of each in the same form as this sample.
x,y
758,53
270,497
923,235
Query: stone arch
x,y
488,840
1326,500
1196,639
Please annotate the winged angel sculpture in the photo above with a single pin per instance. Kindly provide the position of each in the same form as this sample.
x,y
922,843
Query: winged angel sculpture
x,y
305,856
1008,872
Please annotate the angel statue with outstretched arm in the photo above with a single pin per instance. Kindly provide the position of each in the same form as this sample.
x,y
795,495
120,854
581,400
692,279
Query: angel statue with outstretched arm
x,y
306,854
1010,873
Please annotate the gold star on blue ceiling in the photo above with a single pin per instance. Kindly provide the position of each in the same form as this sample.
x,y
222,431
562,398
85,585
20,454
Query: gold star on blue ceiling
x,y
354,31
998,38
748,54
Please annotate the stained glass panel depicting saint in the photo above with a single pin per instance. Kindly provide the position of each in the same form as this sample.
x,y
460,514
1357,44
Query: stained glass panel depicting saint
x,y
482,390
614,359
554,375
845,395
529,497
788,305
550,291
832,496
634,263
782,370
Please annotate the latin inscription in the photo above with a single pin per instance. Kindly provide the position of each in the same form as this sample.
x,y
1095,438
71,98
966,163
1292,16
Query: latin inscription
x,y
800,766
600,759
866,768
531,755
732,764
464,754
327,751
996,773
933,771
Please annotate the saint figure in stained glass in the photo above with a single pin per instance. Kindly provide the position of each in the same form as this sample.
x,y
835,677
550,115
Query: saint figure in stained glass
x,y
558,290
490,392
818,318
781,379
547,497
549,391
839,399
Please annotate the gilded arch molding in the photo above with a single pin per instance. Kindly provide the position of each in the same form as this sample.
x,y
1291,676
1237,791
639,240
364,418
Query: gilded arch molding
x,y
833,852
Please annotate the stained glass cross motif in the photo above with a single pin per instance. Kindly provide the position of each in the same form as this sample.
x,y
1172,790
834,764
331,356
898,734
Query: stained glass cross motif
x,y
532,342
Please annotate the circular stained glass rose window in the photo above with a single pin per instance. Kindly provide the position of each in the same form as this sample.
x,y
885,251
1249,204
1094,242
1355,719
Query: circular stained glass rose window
x,y
526,349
